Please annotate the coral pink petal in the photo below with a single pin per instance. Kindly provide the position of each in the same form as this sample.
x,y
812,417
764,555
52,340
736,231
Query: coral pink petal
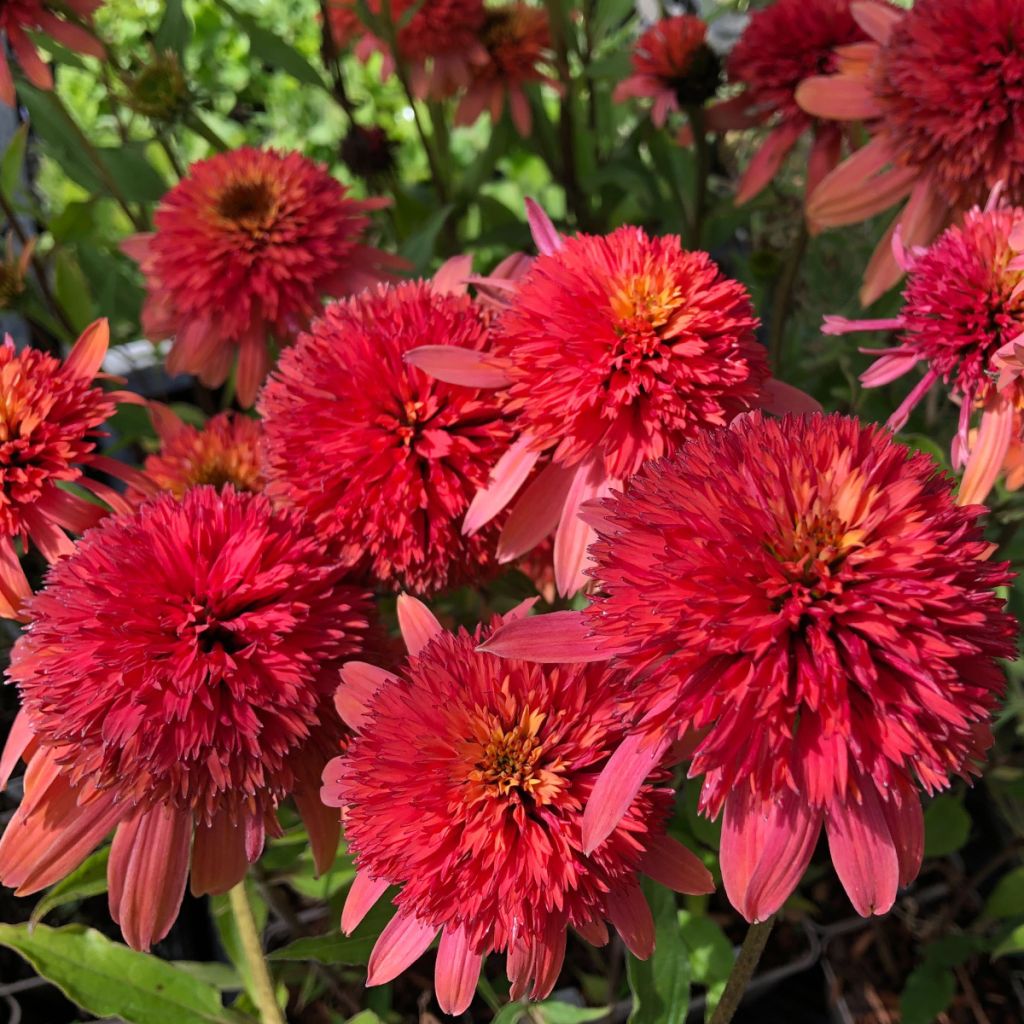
x,y
87,356
766,847
35,69
147,871
732,115
52,541
548,959
671,864
629,913
73,36
359,682
452,277
545,235
219,862
403,941
253,366
988,454
536,514
767,161
18,738
877,20
456,972
323,824
899,418
553,639
780,398
69,510
618,784
508,475
863,852
853,175
362,895
7,94
595,932
14,586
838,98
838,325
417,623
906,826
823,159
888,368
574,535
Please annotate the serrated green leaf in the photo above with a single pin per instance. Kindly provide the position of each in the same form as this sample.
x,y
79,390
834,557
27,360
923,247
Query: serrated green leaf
x,y
946,826
337,948
88,879
661,985
111,980
928,993
175,30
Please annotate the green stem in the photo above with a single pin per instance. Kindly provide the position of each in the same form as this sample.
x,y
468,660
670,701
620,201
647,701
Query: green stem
x,y
703,154
782,307
252,950
203,130
742,971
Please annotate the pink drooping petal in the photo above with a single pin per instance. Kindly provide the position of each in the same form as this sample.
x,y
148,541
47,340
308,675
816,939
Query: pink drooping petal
x,y
595,932
780,398
766,847
34,67
362,896
53,543
629,913
836,325
850,180
452,276
888,368
574,534
359,682
732,115
253,367
826,152
838,98
906,826
87,356
73,36
545,235
877,20
7,94
14,586
536,514
417,623
147,871
988,454
618,784
863,852
18,738
69,510
219,861
899,418
323,824
404,940
136,247
553,639
549,955
671,864
456,972
462,366
509,474
767,160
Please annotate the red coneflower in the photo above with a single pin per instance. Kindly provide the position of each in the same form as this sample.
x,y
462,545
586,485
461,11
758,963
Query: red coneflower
x,y
465,785
344,23
226,451
517,38
176,684
784,44
18,18
804,594
941,88
380,456
963,312
245,248
673,66
50,413
612,350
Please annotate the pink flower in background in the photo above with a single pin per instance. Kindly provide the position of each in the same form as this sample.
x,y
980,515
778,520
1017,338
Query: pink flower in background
x,y
465,786
804,597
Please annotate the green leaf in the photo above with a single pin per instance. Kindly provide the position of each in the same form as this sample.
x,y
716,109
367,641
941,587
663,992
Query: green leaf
x,y
928,993
509,1014
272,49
555,1012
1007,898
175,30
221,976
946,826
88,879
12,162
711,952
365,1017
337,948
661,985
111,980
1012,943
136,177
72,290
419,247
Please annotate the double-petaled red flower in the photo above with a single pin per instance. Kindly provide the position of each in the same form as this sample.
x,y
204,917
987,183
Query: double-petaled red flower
x,y
245,249
384,459
465,786
176,685
805,595
940,87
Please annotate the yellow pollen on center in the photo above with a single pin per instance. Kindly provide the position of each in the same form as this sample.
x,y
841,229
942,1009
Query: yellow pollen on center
x,y
647,297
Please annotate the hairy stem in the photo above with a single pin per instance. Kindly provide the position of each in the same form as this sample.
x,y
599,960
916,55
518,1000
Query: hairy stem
x,y
743,970
252,950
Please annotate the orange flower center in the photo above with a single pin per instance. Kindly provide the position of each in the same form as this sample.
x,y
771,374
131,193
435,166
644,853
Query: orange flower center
x,y
644,306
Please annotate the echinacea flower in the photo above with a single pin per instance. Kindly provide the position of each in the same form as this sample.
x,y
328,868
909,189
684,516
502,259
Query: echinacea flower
x,y
517,38
673,66
65,22
611,350
176,686
465,785
224,452
381,457
940,89
963,321
245,249
782,45
50,414
805,595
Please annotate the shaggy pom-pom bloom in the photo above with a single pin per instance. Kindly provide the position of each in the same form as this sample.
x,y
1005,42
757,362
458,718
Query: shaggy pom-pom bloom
x,y
176,685
963,321
611,350
941,88
673,66
224,452
50,413
381,457
806,596
245,248
517,39
18,18
465,785
782,45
